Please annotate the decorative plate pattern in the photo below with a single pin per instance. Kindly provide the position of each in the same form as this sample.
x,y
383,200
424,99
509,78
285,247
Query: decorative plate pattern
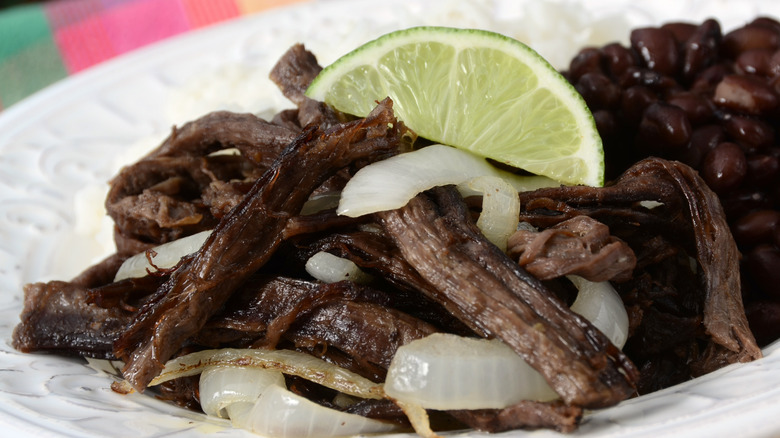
x,y
64,143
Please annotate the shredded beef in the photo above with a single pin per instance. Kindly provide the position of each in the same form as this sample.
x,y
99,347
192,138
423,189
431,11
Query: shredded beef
x,y
374,252
578,246
101,273
368,332
687,222
258,140
485,289
526,415
58,318
293,73
247,237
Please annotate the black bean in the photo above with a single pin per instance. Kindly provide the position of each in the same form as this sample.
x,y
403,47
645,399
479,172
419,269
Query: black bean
x,y
763,266
724,167
706,81
776,237
773,67
681,31
756,227
703,140
648,78
737,202
634,101
749,38
745,93
764,319
701,49
751,133
606,123
763,170
588,60
768,22
617,59
598,91
657,48
755,62
697,108
774,82
664,128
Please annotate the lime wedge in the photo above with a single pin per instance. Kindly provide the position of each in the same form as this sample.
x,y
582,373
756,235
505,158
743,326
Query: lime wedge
x,y
475,90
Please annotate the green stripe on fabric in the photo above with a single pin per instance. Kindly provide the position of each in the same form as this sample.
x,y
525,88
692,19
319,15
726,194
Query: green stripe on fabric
x,y
20,27
29,71
29,58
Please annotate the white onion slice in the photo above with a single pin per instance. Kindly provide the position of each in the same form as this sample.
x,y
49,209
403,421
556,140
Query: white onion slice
x,y
286,361
279,413
600,304
445,371
329,268
164,256
239,412
500,207
318,203
256,399
222,386
418,418
391,183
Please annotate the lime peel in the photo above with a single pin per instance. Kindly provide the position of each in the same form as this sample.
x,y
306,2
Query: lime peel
x,y
476,90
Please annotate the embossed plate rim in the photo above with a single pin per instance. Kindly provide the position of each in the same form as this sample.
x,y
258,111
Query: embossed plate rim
x,y
56,131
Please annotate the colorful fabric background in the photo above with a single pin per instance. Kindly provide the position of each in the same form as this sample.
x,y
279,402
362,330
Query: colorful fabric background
x,y
41,43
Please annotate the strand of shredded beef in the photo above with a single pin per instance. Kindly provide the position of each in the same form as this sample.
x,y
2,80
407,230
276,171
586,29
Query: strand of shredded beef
x,y
688,209
484,288
366,331
246,238
58,318
357,320
293,73
258,140
374,252
578,246
526,414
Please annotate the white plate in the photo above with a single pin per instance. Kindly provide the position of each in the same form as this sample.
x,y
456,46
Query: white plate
x,y
72,135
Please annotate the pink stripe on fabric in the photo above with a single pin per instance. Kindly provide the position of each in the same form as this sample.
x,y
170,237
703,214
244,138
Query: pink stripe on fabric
x,y
83,44
139,23
66,13
205,12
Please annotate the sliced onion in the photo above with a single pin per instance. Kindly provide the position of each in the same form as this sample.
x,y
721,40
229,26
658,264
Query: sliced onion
x,y
286,361
280,413
329,268
500,207
239,413
445,371
600,304
222,386
256,399
318,203
391,183
163,256
418,418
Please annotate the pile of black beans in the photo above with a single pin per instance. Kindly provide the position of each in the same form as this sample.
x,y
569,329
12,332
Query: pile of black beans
x,y
692,93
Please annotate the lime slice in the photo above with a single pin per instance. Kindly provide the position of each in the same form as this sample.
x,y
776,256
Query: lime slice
x,y
475,90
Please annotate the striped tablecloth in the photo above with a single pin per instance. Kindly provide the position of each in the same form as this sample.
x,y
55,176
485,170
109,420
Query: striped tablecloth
x,y
41,43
